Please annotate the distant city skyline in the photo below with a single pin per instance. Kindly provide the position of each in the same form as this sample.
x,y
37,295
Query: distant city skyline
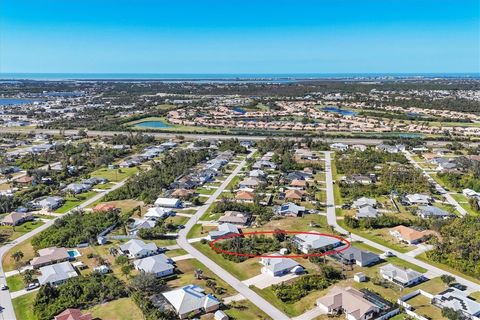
x,y
262,37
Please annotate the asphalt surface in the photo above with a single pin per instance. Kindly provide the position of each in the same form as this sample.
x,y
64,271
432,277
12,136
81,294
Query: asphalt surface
x,y
332,220
209,136
244,290
6,308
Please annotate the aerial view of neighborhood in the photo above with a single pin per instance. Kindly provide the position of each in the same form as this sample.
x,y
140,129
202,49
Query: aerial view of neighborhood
x,y
240,160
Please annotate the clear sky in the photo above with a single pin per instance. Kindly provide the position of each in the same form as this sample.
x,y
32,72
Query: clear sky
x,y
240,36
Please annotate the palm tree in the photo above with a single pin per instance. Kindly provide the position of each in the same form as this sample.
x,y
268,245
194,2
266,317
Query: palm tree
x,y
28,276
17,256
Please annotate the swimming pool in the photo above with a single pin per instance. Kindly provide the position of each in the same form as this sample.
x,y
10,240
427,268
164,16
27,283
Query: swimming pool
x,y
73,253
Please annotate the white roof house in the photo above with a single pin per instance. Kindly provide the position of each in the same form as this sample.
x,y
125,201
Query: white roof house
x,y
469,193
160,265
191,299
157,213
308,242
459,301
363,202
224,229
417,198
57,273
279,266
401,276
257,173
367,212
138,249
168,202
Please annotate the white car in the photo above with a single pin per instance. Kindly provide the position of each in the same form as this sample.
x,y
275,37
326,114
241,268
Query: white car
x,y
3,287
387,254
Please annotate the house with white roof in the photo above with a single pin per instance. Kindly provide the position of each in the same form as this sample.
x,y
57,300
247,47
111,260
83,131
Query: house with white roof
x,y
168,202
289,209
459,301
339,146
313,242
277,267
138,249
417,198
160,265
224,229
366,212
363,202
400,276
157,213
56,274
257,173
469,193
191,299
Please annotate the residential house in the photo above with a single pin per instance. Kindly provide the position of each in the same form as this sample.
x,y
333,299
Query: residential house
x,y
348,301
220,315
366,212
56,274
16,218
24,180
249,183
277,267
409,235
138,249
77,188
299,184
48,203
73,314
364,202
356,256
417,198
298,175
224,229
458,301
257,173
432,212
168,202
289,209
261,164
245,196
190,300
48,256
104,207
313,242
469,193
182,193
157,213
358,179
160,265
400,276
339,146
295,195
236,218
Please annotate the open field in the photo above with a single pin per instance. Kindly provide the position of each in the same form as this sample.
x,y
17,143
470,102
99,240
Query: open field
x,y
114,175
123,308
72,202
23,306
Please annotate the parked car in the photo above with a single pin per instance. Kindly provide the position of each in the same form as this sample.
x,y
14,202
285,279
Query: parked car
x,y
4,287
33,285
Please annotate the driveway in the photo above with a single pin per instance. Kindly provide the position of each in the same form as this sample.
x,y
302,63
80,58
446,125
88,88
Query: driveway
x,y
264,280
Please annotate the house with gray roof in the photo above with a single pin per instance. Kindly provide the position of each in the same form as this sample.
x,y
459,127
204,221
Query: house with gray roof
x,y
160,265
432,212
48,203
364,202
224,229
289,209
356,256
313,242
459,301
190,300
277,267
366,212
56,274
401,276
138,249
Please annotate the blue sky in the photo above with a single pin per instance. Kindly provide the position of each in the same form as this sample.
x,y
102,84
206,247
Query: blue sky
x,y
232,36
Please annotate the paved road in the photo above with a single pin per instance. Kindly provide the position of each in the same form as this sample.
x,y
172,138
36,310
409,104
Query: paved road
x,y
182,241
439,188
332,220
196,136
7,313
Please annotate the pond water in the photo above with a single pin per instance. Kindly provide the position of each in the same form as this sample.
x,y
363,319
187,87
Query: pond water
x,y
153,124
340,111
13,101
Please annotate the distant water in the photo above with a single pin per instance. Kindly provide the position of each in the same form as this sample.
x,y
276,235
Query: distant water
x,y
340,111
239,110
153,124
14,102
237,77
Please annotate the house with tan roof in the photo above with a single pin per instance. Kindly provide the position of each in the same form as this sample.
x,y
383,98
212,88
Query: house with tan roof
x,y
409,235
72,314
235,217
182,193
348,301
16,218
299,184
294,194
245,196
49,256
104,207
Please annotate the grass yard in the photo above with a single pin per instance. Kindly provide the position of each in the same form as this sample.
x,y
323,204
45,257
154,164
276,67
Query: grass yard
x,y
244,309
199,231
186,269
123,308
243,270
23,306
114,175
15,283
205,190
424,307
72,202
28,252
296,224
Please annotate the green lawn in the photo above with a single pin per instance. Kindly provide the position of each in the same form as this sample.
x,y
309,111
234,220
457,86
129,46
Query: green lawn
x,y
15,283
71,202
204,190
199,231
244,309
463,201
123,308
23,306
114,175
